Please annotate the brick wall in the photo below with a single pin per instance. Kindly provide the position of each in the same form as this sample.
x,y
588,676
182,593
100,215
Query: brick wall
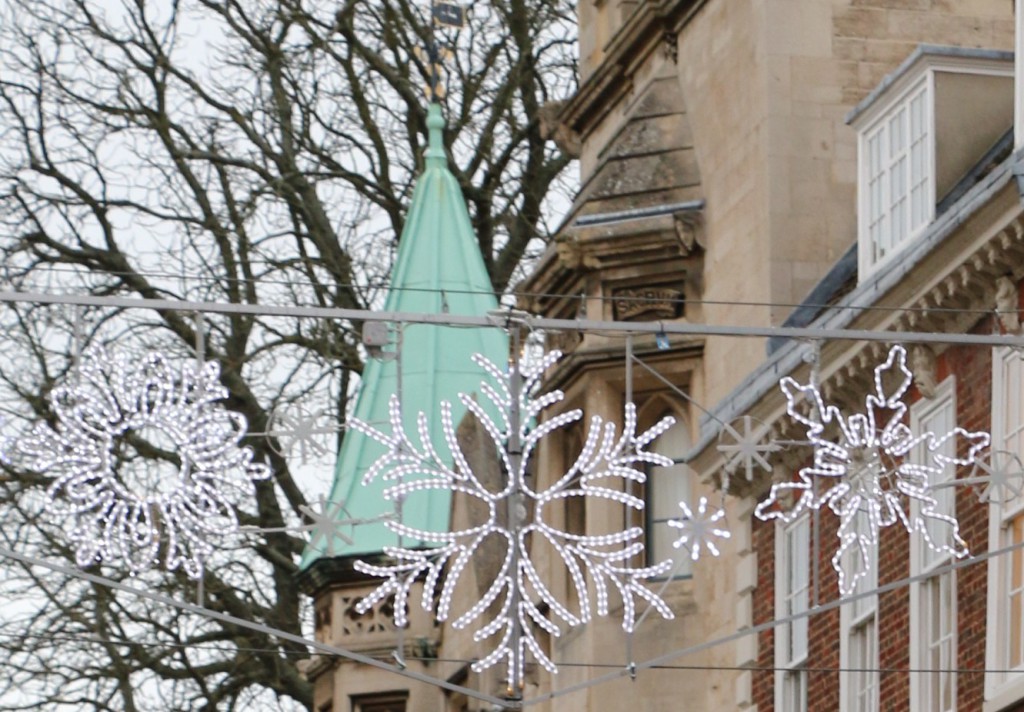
x,y
972,368
763,544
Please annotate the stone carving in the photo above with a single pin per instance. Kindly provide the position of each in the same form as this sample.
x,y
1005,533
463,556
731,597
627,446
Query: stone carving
x,y
380,618
1006,305
571,254
556,131
647,303
671,46
564,341
689,229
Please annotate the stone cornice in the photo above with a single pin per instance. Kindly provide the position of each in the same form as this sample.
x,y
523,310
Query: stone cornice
x,y
555,286
949,291
653,22
327,573
684,355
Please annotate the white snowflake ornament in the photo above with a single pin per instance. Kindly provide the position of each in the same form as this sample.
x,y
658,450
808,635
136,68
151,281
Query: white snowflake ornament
x,y
133,511
1000,475
699,529
745,446
295,428
520,516
867,467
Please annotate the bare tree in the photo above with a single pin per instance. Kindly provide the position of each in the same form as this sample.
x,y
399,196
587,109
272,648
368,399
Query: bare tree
x,y
257,152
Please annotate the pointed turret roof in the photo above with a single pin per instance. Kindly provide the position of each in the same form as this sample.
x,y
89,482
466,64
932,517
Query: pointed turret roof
x,y
438,269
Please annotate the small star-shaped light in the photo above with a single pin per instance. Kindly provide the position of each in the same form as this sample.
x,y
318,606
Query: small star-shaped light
x,y
295,427
326,520
697,530
744,447
1003,477
326,523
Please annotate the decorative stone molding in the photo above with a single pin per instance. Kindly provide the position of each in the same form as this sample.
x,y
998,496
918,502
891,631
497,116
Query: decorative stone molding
x,y
647,303
557,131
670,44
571,254
1007,302
565,341
376,621
689,225
314,667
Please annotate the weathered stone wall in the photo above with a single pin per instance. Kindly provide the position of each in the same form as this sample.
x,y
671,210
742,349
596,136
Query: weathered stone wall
x,y
768,85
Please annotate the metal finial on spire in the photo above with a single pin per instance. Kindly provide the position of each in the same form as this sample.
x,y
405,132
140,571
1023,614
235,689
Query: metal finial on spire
x,y
435,146
449,15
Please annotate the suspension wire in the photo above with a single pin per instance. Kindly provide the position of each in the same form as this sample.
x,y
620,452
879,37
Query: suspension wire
x,y
679,391
252,625
687,329
609,299
660,662
769,625
59,638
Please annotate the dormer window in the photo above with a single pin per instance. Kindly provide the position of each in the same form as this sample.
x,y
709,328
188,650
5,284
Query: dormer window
x,y
898,175
919,134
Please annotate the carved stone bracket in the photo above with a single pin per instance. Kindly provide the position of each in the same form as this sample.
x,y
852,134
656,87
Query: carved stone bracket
x,y
922,363
689,226
565,341
670,43
1007,305
571,254
552,128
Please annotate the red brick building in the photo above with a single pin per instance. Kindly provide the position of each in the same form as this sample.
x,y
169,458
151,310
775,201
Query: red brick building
x,y
939,253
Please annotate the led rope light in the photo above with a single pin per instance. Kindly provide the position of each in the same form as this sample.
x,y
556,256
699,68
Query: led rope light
x,y
868,468
699,529
603,560
113,519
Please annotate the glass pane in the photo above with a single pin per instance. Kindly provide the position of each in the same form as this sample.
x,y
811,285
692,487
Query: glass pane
x,y
666,488
897,135
918,127
797,546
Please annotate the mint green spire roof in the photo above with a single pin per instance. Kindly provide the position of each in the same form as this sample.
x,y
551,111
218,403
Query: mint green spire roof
x,y
438,269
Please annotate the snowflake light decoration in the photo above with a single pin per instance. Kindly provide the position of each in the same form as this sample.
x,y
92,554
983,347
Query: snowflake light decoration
x,y
699,529
869,467
327,524
746,446
517,590
1000,475
294,428
128,512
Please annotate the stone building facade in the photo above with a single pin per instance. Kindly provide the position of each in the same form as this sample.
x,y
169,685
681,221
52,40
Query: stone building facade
x,y
720,180
720,183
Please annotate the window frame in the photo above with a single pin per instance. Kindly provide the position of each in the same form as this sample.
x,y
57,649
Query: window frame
x,y
923,560
867,260
682,565
855,618
368,702
791,672
924,64
1003,689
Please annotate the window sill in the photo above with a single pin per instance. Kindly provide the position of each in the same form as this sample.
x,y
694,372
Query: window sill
x,y
1007,695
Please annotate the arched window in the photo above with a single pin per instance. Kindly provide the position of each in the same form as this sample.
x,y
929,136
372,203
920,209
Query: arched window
x,y
666,487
